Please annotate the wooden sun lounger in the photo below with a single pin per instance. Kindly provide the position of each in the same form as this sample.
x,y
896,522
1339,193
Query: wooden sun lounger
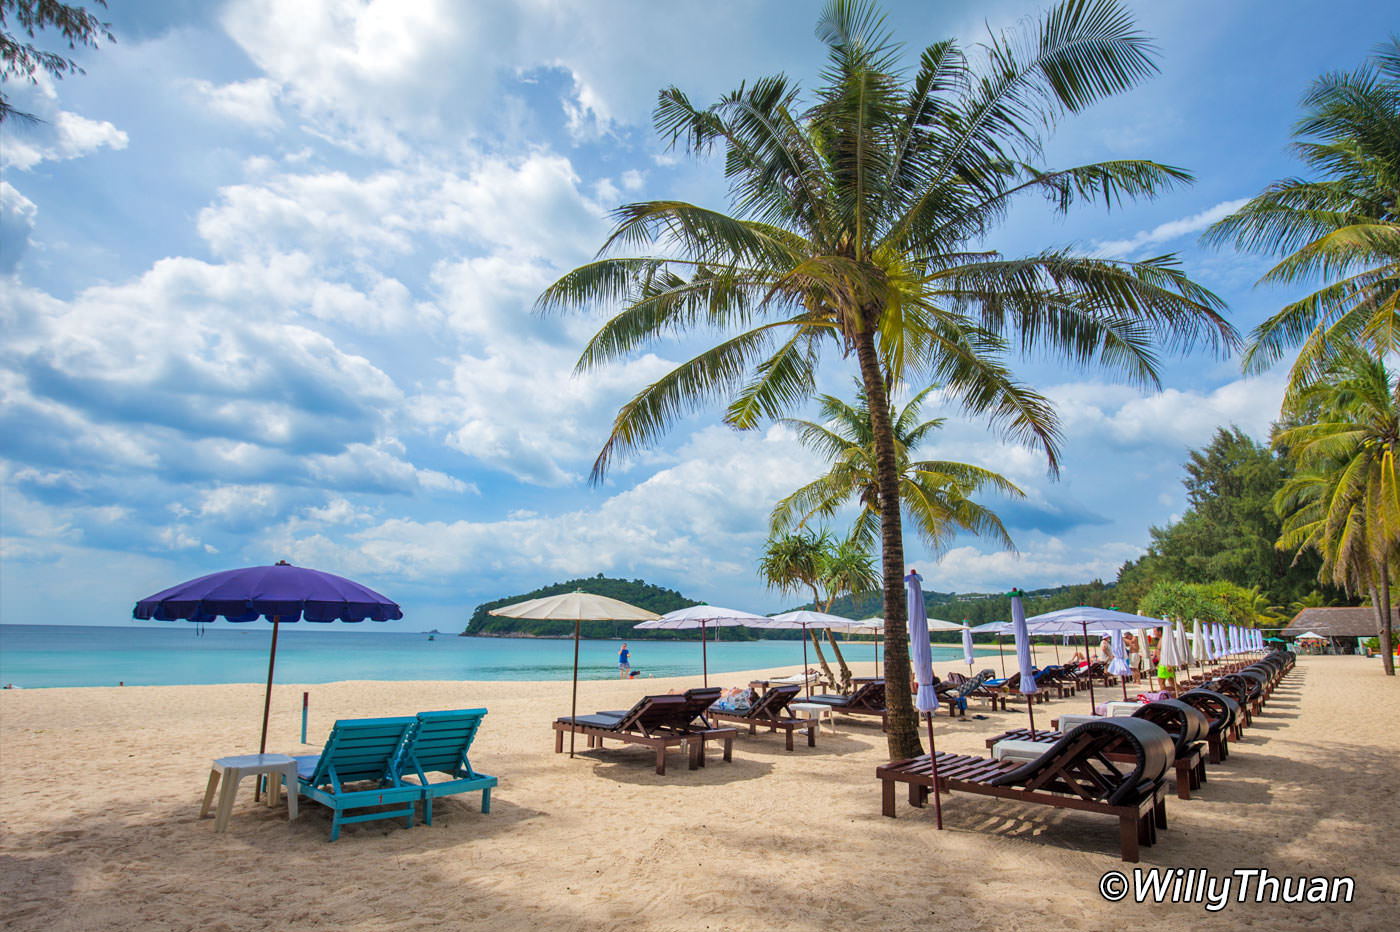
x,y
768,712
1184,724
1222,711
869,699
658,722
1073,773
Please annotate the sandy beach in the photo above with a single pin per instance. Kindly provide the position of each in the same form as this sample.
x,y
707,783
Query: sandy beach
x,y
100,792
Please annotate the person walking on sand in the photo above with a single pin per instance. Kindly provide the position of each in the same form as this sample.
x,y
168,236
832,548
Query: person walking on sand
x,y
624,665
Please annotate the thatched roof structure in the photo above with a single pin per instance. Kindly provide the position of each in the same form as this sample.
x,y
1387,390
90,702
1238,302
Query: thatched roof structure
x,y
1357,622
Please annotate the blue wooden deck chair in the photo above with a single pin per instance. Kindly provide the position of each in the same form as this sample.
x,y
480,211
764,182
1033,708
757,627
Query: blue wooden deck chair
x,y
439,745
359,751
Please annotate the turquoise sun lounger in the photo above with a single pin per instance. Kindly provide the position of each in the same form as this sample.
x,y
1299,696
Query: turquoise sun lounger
x,y
439,745
358,752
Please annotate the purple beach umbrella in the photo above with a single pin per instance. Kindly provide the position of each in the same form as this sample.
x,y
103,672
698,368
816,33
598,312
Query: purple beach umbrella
x,y
279,593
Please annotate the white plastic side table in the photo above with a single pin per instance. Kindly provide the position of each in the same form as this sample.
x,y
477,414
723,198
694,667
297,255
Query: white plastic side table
x,y
233,769
815,710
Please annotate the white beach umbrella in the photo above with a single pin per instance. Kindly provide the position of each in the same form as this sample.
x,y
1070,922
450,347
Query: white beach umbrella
x,y
1144,644
704,617
1119,665
969,657
921,654
577,606
805,620
1167,655
1199,646
1218,636
1023,654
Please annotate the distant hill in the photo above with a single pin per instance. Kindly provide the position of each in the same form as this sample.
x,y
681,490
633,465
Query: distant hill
x,y
634,591
975,607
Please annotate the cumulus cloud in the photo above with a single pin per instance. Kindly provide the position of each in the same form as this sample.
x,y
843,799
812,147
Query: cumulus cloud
x,y
1166,232
252,103
68,136
17,214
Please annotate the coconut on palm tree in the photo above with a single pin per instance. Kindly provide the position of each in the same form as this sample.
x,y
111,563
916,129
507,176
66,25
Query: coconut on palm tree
x,y
1344,498
1342,226
935,494
858,229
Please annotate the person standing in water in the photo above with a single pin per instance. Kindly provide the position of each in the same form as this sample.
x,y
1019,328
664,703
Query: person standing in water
x,y
624,665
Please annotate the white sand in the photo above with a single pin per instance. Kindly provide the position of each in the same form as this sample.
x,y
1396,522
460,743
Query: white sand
x,y
100,792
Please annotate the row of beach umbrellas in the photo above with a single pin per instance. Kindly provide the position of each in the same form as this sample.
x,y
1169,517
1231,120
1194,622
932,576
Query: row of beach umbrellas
x,y
286,593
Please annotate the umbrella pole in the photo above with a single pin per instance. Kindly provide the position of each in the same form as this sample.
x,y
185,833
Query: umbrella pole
x,y
573,701
1030,710
805,678
1057,651
267,696
933,768
1002,657
704,657
1088,659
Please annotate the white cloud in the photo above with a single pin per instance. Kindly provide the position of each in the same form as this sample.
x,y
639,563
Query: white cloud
x,y
69,136
1165,232
252,103
17,214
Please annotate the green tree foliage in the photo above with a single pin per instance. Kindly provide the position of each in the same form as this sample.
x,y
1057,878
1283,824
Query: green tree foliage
x,y
1341,226
635,591
1229,529
1344,501
935,494
21,59
858,230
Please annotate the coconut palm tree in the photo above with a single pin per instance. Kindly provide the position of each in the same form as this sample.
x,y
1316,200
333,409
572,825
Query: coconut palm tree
x,y
935,494
1342,226
1344,500
858,229
793,562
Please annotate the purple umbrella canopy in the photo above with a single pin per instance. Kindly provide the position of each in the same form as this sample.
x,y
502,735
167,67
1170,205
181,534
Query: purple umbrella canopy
x,y
279,593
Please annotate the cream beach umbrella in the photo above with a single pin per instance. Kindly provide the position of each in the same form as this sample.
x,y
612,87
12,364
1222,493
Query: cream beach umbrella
x,y
921,654
704,617
1144,648
577,606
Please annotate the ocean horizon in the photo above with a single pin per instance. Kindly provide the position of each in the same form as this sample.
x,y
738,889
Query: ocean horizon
x,y
185,654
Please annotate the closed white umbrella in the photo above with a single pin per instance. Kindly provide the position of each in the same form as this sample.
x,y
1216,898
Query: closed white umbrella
x,y
1183,648
1167,655
1023,655
1144,645
1119,665
578,607
1198,642
921,654
968,657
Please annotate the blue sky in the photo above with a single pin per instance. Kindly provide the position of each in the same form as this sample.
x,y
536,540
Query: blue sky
x,y
268,271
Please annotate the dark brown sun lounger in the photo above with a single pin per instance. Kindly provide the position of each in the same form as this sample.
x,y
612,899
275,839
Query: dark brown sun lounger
x,y
1186,726
658,722
771,711
1073,773
1222,711
868,700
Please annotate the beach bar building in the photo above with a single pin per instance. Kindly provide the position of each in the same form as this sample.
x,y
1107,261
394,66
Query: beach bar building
x,y
1341,626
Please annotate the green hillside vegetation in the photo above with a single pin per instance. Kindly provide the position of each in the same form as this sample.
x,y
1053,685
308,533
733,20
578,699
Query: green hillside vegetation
x,y
637,592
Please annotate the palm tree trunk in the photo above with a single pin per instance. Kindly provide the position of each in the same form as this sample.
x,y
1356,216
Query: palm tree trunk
x,y
1384,628
821,658
845,670
901,723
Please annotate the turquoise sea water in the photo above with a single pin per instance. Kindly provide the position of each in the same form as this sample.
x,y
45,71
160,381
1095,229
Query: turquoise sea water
x,y
173,654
